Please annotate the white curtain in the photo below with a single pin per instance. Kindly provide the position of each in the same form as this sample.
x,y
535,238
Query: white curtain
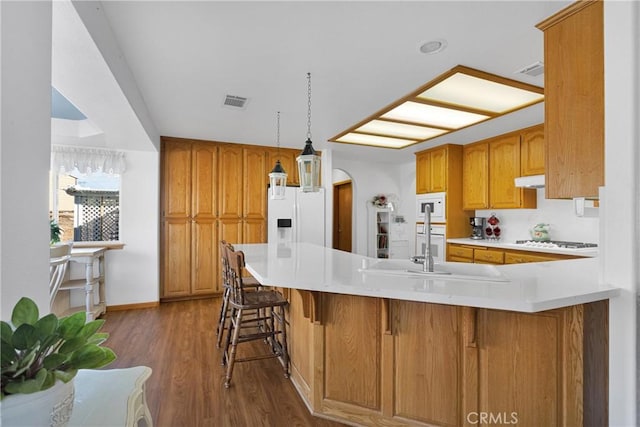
x,y
87,160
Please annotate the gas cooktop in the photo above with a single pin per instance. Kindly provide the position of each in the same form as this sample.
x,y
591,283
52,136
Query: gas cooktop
x,y
556,244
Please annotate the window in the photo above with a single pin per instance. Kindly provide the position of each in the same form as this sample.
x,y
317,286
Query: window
x,y
86,206
85,192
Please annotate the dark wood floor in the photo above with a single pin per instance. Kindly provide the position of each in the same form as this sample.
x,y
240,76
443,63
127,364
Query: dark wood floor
x,y
177,340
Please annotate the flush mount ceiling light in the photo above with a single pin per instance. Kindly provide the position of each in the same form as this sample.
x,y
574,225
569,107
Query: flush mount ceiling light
x,y
457,99
433,46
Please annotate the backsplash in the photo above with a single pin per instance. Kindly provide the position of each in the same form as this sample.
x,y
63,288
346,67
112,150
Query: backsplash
x,y
559,214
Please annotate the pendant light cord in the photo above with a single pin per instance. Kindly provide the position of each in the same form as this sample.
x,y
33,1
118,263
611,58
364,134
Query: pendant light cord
x,y
278,134
309,106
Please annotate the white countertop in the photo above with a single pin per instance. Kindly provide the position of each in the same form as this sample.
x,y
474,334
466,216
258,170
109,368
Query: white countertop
x,y
586,252
530,287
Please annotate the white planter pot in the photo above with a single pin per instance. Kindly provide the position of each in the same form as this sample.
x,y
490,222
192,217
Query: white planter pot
x,y
51,407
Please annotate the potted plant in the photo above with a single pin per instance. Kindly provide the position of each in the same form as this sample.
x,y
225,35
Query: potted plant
x,y
40,357
55,232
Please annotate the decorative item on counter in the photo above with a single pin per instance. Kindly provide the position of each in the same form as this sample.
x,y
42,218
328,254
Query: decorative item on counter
x,y
540,233
493,230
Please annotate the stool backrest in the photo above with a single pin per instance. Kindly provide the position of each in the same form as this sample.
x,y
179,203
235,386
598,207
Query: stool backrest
x,y
236,266
224,264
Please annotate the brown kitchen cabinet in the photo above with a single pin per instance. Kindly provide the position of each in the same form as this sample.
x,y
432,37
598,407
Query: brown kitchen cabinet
x,y
534,369
372,361
532,151
189,233
431,170
488,255
489,171
210,191
504,168
574,100
440,170
475,176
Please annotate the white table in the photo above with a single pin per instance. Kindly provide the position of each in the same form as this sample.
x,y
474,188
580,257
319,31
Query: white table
x,y
92,284
111,398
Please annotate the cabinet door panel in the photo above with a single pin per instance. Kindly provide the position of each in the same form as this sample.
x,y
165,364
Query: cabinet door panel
x,y
352,349
254,190
422,173
230,230
574,103
176,260
520,359
254,231
426,384
204,179
532,151
230,181
438,170
176,179
205,258
504,168
475,176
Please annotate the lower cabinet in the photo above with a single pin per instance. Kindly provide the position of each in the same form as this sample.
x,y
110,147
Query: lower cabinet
x,y
485,255
370,361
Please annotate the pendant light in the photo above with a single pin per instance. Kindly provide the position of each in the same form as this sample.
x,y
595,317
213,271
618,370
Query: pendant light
x,y
308,160
278,176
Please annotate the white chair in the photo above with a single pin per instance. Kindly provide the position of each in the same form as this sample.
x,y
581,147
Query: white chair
x,y
59,256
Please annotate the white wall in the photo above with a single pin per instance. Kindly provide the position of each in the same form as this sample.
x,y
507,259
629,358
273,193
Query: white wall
x,y
132,273
619,220
25,84
559,214
369,179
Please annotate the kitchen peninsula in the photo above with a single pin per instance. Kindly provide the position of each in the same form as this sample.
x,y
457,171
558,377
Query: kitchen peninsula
x,y
371,348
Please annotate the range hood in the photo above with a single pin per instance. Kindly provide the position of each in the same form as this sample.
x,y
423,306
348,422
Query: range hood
x,y
534,181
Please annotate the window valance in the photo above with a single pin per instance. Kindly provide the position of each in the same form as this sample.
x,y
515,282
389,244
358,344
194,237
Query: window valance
x,y
87,160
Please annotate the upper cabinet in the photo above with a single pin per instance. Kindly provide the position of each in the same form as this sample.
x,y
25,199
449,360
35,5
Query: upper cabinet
x,y
532,151
431,170
489,170
574,100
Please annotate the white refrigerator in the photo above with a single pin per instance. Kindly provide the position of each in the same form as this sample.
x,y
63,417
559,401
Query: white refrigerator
x,y
299,217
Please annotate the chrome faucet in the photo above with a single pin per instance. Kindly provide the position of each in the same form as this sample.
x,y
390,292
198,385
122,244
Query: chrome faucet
x,y
426,259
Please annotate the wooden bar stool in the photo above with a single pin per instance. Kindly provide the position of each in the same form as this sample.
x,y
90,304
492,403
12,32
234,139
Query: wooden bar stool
x,y
248,283
269,325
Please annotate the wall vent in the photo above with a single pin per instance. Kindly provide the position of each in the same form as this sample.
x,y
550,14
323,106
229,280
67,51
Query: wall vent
x,y
233,101
534,69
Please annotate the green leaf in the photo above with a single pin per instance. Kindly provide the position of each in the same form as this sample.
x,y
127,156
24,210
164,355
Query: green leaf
x,y
72,345
25,362
71,326
91,328
25,337
54,360
8,354
98,338
91,357
6,331
67,375
25,311
46,326
49,381
28,386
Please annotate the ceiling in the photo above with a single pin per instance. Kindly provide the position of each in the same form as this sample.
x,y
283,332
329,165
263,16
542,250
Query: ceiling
x,y
185,57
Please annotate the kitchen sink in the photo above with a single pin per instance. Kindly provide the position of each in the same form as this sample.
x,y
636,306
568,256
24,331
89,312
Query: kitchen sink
x,y
446,270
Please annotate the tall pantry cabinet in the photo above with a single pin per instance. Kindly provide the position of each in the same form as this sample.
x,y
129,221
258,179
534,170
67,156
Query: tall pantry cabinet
x,y
210,191
188,219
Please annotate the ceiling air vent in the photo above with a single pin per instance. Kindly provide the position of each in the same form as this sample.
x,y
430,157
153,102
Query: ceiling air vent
x,y
534,69
232,101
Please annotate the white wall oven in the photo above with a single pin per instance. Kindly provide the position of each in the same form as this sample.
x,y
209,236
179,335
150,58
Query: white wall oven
x,y
438,244
434,202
